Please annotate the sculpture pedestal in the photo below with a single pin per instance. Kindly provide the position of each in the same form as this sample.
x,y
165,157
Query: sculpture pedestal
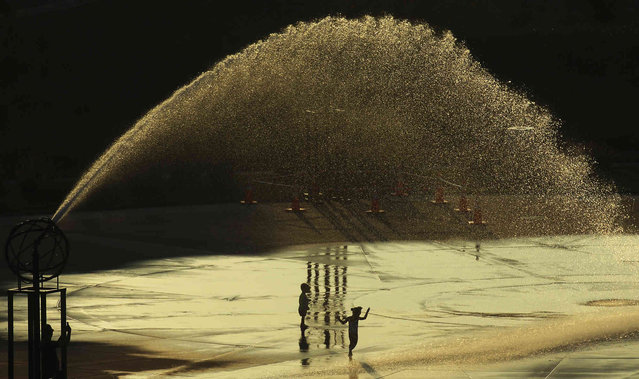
x,y
37,319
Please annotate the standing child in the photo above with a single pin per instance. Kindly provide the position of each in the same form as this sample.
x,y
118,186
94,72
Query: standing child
x,y
304,301
353,323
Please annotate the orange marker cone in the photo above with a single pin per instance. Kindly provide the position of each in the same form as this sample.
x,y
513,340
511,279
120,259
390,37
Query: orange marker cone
x,y
400,189
463,205
375,206
477,218
295,206
439,196
314,194
248,197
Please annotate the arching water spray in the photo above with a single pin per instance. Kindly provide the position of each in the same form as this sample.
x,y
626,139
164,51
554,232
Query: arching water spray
x,y
338,99
121,148
88,179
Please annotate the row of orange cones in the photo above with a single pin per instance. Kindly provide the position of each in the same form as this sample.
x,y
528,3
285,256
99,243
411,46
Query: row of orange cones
x,y
375,208
439,199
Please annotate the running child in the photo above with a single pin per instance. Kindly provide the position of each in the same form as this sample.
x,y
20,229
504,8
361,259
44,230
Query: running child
x,y
353,323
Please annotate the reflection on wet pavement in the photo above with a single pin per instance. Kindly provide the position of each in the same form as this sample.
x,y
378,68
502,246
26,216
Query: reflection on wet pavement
x,y
329,282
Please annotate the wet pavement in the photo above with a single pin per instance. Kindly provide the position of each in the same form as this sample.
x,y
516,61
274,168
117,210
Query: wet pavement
x,y
515,308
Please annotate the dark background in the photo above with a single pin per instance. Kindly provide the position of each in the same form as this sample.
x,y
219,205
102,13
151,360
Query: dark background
x,y
75,74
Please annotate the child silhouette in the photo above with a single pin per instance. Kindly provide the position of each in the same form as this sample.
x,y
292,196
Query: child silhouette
x,y
353,323
304,301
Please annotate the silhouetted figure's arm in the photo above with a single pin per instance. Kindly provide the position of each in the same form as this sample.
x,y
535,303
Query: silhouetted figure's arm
x,y
65,337
366,315
342,320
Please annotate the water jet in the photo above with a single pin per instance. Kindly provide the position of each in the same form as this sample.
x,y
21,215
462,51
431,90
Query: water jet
x,y
349,100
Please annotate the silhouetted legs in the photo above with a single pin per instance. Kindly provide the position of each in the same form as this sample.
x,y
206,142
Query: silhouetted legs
x,y
353,343
303,325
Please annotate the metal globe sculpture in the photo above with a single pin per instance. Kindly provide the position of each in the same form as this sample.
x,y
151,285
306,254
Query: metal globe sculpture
x,y
36,250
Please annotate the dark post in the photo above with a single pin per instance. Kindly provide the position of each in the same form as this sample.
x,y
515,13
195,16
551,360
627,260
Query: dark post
x,y
35,311
30,297
43,310
63,325
10,332
43,318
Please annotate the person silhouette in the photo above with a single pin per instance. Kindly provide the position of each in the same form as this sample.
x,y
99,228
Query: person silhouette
x,y
304,301
50,364
353,323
